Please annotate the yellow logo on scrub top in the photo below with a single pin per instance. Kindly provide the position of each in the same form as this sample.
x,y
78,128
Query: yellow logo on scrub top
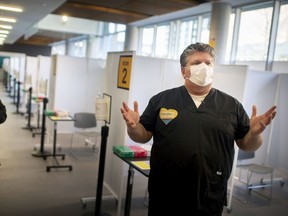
x,y
167,115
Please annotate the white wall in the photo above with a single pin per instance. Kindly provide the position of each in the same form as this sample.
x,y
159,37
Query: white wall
x,y
260,90
231,79
280,67
277,66
279,148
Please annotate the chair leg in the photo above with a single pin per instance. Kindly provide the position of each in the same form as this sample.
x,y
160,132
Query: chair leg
x,y
271,186
261,185
71,142
146,198
249,176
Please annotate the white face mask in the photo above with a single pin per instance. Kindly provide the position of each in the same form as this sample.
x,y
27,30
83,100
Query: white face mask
x,y
201,74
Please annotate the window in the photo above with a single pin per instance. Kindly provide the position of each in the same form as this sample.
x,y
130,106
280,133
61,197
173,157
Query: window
x,y
162,41
205,30
96,44
254,35
111,28
58,49
77,48
169,40
281,51
188,35
120,41
147,41
120,28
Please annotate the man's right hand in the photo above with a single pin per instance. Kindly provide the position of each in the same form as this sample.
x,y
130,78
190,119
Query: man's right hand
x,y
131,117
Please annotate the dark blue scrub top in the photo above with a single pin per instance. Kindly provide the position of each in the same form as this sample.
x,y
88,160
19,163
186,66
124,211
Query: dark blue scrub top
x,y
194,143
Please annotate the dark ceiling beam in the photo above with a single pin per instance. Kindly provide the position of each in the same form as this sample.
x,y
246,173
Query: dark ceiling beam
x,y
93,7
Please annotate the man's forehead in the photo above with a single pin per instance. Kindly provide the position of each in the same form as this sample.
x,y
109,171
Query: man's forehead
x,y
200,56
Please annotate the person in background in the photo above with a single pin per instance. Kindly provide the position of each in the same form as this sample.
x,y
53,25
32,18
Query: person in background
x,y
3,114
194,127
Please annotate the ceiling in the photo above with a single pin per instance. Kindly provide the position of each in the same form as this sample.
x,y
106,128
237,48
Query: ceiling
x,y
123,11
116,11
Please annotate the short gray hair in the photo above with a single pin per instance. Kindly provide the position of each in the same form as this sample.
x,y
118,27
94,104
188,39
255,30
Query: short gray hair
x,y
197,47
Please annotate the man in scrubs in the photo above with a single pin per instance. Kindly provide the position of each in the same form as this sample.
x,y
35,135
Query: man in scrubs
x,y
194,127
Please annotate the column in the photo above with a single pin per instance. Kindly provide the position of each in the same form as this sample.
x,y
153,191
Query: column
x,y
131,38
220,17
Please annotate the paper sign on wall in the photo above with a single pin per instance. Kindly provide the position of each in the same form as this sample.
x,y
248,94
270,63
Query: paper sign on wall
x,y
124,72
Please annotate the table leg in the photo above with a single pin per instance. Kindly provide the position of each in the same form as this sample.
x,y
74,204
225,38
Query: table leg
x,y
54,155
54,138
129,191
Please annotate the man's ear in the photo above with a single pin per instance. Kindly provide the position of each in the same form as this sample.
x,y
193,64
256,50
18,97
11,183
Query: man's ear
x,y
183,72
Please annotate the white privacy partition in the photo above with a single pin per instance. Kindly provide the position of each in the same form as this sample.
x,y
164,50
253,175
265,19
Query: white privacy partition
x,y
260,91
44,68
73,86
117,128
14,65
278,145
31,75
30,80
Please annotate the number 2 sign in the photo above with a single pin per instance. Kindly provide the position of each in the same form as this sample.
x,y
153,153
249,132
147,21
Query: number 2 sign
x,y
124,72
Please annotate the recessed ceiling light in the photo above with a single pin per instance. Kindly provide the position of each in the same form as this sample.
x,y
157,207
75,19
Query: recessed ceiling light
x,y
64,18
6,26
3,36
11,8
4,32
7,19
2,41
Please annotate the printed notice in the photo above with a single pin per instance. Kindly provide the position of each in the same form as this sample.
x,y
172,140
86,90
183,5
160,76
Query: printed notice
x,y
144,165
124,72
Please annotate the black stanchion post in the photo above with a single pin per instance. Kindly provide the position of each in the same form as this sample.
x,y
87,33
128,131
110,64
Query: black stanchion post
x,y
41,152
29,107
5,79
18,97
14,90
43,131
104,135
9,84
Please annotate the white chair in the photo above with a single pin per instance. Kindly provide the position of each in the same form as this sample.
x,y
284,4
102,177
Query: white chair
x,y
85,125
258,170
